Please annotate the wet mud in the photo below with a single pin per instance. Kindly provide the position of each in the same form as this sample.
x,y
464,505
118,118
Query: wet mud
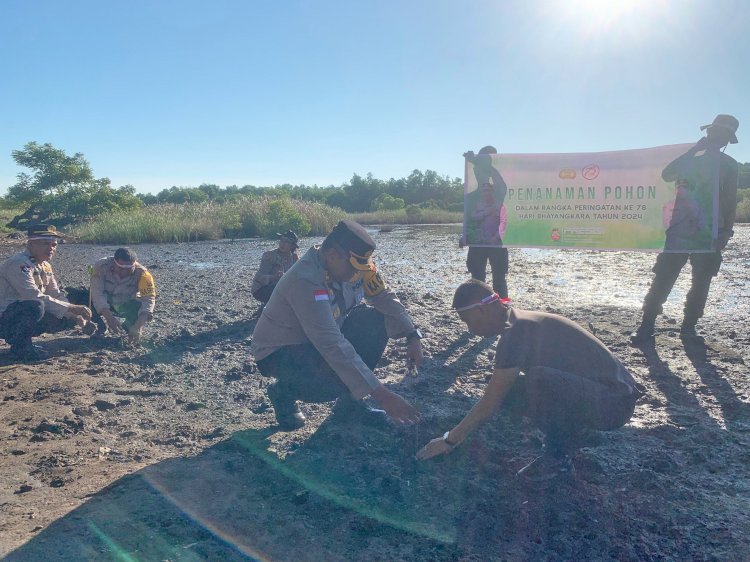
x,y
171,452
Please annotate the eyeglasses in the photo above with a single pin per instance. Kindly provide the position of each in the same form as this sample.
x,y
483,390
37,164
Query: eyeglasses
x,y
494,297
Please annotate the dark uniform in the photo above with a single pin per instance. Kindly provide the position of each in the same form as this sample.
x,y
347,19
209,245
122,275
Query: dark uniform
x,y
705,265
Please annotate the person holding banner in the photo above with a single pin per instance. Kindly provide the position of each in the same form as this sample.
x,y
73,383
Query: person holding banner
x,y
705,265
548,369
488,222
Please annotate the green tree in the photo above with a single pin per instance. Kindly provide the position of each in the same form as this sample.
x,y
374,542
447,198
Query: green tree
x,y
63,187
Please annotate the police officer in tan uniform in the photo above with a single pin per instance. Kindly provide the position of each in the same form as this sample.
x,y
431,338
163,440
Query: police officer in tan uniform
x,y
31,302
320,342
120,286
273,264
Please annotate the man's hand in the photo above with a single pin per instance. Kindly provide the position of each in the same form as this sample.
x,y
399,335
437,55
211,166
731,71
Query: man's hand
x,y
114,325
469,154
396,407
81,314
434,448
134,333
414,355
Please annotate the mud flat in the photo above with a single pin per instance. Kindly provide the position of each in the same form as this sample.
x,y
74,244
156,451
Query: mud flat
x,y
171,453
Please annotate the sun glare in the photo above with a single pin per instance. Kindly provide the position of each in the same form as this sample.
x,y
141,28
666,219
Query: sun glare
x,y
613,21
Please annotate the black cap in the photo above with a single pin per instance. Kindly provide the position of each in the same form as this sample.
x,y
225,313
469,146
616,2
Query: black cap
x,y
289,235
125,255
728,122
43,231
352,236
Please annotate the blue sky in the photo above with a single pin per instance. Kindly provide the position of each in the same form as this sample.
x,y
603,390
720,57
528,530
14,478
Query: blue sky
x,y
164,93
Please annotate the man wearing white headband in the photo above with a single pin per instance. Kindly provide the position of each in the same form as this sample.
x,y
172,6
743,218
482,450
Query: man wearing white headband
x,y
120,286
31,302
548,369
319,342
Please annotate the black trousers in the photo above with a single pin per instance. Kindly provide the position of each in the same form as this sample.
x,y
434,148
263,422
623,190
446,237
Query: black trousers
x,y
129,310
476,263
302,373
264,293
705,266
562,404
23,320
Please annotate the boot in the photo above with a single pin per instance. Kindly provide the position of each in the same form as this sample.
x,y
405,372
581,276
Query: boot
x,y
645,331
288,415
687,329
26,352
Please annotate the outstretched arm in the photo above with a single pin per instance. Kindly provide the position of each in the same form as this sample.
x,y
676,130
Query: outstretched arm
x,y
494,395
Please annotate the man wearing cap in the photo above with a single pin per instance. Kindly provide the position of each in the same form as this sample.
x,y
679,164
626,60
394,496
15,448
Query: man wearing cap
x,y
31,302
318,340
548,369
273,264
705,265
120,286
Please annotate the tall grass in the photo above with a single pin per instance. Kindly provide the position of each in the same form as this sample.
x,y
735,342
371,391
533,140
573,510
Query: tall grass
x,y
251,216
400,216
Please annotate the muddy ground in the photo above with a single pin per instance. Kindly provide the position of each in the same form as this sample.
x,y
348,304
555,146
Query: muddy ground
x,y
171,452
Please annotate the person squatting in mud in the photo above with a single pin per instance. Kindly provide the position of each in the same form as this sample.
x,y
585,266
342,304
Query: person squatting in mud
x,y
273,264
31,302
120,287
320,341
547,368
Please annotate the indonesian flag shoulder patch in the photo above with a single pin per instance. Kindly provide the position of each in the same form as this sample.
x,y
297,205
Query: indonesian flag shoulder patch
x,y
320,295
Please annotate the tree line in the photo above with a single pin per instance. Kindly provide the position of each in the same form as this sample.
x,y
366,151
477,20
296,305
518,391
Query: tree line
x,y
63,188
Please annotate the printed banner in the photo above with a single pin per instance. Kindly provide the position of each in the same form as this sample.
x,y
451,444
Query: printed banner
x,y
654,199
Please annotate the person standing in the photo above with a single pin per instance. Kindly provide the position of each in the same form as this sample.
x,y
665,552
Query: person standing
x,y
31,302
705,265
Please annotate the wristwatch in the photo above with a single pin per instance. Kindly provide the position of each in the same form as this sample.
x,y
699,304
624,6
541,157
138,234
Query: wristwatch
x,y
415,334
447,442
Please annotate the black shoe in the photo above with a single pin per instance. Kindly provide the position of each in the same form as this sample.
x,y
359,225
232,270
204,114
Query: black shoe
x,y
28,353
288,415
546,467
687,332
349,410
644,333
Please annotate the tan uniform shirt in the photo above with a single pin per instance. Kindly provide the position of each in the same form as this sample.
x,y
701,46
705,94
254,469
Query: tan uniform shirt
x,y
22,279
108,289
308,307
272,263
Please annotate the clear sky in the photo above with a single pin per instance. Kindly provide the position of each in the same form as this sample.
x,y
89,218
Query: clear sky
x,y
159,93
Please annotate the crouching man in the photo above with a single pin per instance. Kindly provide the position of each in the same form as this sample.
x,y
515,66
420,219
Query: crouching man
x,y
31,302
321,343
548,369
120,286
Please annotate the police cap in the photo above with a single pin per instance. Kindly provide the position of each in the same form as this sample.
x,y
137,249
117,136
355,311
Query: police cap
x,y
352,237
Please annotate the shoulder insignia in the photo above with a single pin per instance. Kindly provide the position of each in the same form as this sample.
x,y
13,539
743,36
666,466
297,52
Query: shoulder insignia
x,y
374,283
321,295
26,268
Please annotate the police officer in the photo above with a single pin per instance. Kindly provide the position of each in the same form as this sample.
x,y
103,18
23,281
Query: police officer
x,y
273,264
31,302
120,286
320,342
